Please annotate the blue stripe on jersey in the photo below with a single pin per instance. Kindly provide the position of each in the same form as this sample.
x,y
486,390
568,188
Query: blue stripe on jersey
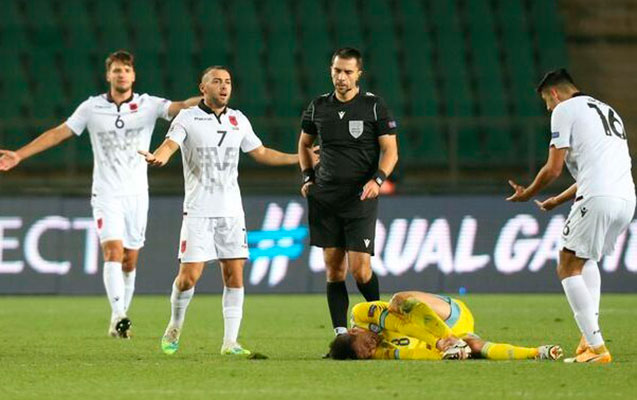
x,y
381,319
455,310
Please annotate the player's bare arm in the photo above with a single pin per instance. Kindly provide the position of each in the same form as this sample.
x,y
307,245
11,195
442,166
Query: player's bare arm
x,y
305,150
558,200
386,164
160,157
177,106
52,137
268,156
549,172
440,306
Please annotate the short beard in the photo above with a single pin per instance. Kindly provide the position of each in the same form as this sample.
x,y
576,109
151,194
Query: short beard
x,y
120,90
217,103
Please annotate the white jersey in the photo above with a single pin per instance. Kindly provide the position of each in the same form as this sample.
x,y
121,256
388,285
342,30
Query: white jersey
x,y
116,134
598,157
210,153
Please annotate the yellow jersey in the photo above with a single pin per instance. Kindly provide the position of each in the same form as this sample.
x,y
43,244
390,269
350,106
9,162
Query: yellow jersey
x,y
412,335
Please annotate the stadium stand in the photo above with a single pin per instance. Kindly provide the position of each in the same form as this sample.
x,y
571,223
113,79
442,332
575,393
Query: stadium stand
x,y
450,69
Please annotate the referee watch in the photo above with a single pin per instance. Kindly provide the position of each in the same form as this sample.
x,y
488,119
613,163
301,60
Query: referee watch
x,y
379,177
308,175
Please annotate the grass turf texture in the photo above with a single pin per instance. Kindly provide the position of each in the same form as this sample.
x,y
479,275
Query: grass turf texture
x,y
56,347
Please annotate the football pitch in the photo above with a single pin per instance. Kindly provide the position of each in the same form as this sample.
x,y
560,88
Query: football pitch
x,y
56,347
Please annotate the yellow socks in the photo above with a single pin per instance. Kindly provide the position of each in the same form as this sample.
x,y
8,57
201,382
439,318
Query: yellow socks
x,y
503,351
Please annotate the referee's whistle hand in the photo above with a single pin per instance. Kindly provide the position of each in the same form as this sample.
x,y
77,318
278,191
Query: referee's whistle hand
x,y
305,188
370,190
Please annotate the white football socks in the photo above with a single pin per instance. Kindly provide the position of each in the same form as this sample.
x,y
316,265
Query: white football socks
x,y
114,284
178,304
593,282
129,288
581,303
232,303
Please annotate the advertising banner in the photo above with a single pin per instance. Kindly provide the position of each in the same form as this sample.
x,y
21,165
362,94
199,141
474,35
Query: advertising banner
x,y
439,244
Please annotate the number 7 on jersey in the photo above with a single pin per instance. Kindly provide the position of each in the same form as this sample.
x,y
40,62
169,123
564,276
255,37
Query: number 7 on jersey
x,y
223,136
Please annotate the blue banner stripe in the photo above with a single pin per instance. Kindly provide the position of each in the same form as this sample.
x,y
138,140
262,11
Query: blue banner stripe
x,y
296,234
292,252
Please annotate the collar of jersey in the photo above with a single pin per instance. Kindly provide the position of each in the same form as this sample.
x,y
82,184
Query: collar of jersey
x,y
110,99
337,101
208,110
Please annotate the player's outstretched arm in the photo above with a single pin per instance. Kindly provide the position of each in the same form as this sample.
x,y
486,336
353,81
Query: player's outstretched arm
x,y
10,159
268,156
177,106
549,172
560,199
386,164
160,157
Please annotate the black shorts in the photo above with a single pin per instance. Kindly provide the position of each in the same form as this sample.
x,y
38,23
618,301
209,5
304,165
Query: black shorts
x,y
338,218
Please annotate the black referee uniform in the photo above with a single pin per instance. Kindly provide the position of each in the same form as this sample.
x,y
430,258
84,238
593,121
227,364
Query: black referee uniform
x,y
348,135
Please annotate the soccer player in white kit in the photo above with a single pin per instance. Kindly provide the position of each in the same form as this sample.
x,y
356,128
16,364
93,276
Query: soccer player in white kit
x,y
589,136
210,136
120,122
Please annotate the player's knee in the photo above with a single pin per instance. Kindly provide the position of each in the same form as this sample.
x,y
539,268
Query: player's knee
x,y
362,275
128,265
185,282
336,274
564,271
233,280
113,252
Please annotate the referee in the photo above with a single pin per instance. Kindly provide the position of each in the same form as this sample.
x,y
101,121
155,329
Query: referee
x,y
357,136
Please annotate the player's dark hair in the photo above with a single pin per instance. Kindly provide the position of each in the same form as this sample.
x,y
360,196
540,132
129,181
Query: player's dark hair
x,y
554,78
122,56
341,348
220,67
348,53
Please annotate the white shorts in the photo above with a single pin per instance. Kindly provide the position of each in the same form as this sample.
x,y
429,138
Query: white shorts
x,y
594,224
121,218
205,239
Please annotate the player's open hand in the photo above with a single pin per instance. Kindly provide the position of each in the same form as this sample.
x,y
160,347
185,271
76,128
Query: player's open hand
x,y
371,190
8,160
519,192
151,159
306,188
548,204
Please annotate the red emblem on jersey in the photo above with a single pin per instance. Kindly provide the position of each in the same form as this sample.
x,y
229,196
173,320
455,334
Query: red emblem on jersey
x,y
233,120
100,222
133,106
183,246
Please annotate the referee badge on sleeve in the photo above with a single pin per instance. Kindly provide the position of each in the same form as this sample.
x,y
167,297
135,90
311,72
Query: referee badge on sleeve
x,y
355,128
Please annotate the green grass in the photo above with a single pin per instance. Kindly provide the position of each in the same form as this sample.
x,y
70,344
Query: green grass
x,y
56,347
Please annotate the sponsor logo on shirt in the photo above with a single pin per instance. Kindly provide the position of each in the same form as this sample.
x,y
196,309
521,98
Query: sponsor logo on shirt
x,y
391,124
183,246
100,223
555,135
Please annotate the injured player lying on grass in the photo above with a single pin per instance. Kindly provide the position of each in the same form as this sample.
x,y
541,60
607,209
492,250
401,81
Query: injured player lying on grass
x,y
423,326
